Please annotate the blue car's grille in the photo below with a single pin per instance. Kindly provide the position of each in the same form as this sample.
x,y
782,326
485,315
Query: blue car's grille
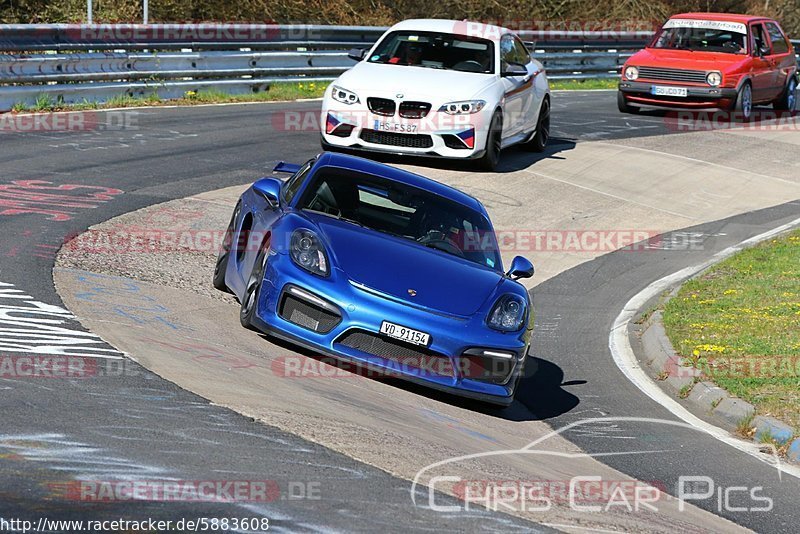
x,y
408,357
307,315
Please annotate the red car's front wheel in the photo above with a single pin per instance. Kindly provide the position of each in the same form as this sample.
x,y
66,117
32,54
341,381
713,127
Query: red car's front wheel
x,y
623,106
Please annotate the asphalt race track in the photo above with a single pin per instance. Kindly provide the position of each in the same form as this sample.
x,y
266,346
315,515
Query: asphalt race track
x,y
136,425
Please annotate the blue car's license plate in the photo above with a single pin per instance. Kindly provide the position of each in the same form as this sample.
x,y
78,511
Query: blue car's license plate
x,y
409,335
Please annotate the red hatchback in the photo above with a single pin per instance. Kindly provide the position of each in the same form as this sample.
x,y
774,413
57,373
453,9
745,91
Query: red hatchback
x,y
712,60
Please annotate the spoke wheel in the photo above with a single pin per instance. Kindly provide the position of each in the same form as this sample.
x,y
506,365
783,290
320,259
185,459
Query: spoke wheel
x,y
539,141
247,312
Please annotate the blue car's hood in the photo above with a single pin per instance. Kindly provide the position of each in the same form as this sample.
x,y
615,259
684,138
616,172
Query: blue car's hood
x,y
392,266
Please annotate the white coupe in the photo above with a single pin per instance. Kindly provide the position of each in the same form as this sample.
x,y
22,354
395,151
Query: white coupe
x,y
443,88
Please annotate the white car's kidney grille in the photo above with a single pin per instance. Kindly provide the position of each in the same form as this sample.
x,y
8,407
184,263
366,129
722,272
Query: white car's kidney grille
x,y
381,106
672,75
414,110
397,139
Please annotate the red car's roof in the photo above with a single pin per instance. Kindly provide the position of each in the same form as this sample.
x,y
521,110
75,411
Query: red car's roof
x,y
724,17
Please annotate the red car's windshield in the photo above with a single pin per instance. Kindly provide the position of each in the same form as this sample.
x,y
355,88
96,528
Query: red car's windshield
x,y
705,35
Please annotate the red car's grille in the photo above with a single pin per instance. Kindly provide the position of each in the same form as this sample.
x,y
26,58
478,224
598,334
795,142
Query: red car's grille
x,y
672,75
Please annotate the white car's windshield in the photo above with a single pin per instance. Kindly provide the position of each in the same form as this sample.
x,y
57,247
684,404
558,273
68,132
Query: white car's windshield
x,y
436,51
710,36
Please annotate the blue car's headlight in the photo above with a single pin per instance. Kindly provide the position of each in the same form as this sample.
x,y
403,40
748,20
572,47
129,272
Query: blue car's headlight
x,y
307,251
508,313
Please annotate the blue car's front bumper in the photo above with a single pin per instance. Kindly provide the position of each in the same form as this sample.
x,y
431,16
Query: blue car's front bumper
x,y
355,335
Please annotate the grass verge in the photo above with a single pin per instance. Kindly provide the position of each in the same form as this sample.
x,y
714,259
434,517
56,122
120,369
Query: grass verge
x,y
739,323
583,85
276,92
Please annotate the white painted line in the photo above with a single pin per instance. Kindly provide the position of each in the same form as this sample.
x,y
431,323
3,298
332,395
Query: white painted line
x,y
599,192
623,355
704,162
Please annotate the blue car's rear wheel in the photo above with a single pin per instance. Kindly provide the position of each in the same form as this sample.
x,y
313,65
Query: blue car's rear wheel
x,y
247,312
224,254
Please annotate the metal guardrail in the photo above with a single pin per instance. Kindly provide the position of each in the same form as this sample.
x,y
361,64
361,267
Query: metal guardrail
x,y
74,63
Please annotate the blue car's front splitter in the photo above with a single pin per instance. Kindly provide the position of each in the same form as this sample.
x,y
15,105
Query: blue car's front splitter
x,y
442,365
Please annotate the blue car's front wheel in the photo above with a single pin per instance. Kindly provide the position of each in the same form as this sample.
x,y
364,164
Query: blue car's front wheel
x,y
250,297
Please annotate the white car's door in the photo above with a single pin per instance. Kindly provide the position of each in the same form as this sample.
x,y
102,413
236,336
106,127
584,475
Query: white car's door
x,y
517,73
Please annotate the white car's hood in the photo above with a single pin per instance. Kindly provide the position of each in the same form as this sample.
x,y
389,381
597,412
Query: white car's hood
x,y
375,79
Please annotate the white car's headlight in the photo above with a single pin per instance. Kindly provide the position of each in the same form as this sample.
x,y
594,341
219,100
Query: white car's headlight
x,y
714,79
631,73
463,107
344,96
508,313
307,252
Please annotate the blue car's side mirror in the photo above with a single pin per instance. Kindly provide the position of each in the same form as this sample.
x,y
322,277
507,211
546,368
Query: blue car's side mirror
x,y
270,190
520,268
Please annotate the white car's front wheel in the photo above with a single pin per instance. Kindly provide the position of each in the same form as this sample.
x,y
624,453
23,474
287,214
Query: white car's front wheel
x,y
491,156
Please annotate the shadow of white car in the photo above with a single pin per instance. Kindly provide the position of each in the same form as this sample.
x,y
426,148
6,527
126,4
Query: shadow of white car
x,y
441,88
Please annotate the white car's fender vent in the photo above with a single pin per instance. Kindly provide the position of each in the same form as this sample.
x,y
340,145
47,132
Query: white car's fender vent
x,y
414,110
381,106
397,139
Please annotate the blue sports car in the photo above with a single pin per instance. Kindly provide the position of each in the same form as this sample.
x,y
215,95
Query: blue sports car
x,y
382,268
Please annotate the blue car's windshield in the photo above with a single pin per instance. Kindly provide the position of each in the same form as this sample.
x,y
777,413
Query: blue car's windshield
x,y
415,214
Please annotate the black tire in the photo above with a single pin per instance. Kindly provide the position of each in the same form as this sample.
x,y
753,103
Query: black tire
x,y
623,106
743,107
222,259
788,100
491,157
249,303
539,141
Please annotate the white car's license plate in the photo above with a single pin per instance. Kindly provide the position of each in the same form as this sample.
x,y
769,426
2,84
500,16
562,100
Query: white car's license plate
x,y
405,334
397,127
660,90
